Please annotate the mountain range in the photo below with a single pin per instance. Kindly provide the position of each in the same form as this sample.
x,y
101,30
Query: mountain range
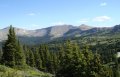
x,y
59,31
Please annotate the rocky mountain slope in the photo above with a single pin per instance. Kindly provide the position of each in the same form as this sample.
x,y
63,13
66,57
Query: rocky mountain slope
x,y
59,31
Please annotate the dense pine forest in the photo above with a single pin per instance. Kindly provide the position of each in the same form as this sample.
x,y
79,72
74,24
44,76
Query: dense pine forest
x,y
60,59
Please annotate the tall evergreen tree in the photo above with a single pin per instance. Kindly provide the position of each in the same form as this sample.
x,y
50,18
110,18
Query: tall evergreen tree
x,y
19,55
38,61
12,52
55,63
66,66
42,55
31,59
61,53
81,64
26,51
1,53
45,57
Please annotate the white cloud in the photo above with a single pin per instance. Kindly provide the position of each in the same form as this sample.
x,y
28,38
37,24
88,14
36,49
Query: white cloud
x,y
103,4
58,23
102,18
31,14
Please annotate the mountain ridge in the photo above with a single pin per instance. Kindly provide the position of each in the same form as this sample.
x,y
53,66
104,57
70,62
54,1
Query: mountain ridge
x,y
53,32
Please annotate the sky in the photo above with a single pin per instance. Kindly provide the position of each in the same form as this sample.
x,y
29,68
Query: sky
x,y
36,14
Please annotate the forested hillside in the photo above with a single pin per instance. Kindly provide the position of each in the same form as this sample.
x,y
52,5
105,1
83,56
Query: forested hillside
x,y
76,57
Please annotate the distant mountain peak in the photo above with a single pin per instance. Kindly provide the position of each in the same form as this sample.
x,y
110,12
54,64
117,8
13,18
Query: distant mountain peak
x,y
7,27
64,25
53,32
85,27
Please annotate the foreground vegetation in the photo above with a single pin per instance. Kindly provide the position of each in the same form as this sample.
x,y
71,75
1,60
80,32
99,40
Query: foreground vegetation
x,y
67,59
26,72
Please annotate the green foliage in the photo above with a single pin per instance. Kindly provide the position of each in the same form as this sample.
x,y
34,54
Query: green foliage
x,y
69,59
76,63
19,55
1,55
12,51
27,72
46,58
38,60
30,59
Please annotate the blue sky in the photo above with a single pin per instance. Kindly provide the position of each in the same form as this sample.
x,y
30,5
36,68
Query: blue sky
x,y
34,14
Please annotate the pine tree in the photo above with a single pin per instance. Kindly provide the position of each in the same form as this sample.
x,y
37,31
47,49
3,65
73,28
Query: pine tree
x,y
1,53
61,53
42,55
45,57
88,57
81,64
12,52
31,59
38,61
77,61
26,51
95,65
55,63
66,64
19,55
9,49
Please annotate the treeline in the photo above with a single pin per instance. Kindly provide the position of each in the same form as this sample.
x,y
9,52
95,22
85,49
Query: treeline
x,y
41,58
107,51
63,60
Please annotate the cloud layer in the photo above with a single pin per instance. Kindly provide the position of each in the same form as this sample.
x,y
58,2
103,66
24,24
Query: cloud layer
x,y
102,18
103,4
95,19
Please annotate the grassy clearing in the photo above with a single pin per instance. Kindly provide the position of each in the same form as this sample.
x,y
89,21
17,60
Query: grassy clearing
x,y
30,72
